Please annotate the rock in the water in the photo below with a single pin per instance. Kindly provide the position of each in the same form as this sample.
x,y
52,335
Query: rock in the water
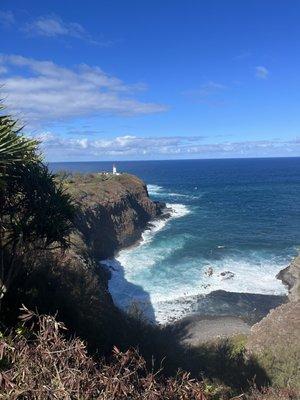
x,y
209,271
205,286
227,274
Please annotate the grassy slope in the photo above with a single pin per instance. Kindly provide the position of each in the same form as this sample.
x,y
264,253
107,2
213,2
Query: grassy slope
x,y
275,340
100,188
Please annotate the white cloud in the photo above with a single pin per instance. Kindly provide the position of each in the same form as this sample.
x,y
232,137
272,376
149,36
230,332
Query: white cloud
x,y
261,72
6,18
43,90
132,147
121,145
53,26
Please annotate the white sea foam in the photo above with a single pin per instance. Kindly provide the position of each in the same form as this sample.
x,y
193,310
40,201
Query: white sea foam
x,y
180,299
154,189
137,259
171,296
178,210
175,210
159,191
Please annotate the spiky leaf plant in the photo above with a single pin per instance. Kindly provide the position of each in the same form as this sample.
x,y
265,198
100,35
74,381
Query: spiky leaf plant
x,y
14,147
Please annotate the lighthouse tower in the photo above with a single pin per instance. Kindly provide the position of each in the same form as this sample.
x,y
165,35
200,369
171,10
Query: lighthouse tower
x,y
114,170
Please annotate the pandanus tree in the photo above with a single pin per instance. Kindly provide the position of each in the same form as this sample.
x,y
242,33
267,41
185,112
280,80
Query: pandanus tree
x,y
35,212
15,149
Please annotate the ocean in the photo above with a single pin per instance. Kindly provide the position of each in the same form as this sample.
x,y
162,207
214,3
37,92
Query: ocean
x,y
235,223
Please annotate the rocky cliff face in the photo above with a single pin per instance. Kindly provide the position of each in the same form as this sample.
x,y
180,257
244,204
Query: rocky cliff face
x,y
290,276
114,210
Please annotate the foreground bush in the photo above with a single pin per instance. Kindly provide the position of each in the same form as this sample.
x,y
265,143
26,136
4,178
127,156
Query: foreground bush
x,y
71,286
40,363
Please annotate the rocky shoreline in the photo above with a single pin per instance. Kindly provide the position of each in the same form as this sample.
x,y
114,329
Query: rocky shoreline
x,y
222,314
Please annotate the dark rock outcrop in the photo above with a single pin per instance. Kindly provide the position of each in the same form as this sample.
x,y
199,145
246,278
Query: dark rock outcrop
x,y
250,307
290,277
114,211
227,274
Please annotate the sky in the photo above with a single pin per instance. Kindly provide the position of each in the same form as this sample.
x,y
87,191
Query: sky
x,y
149,79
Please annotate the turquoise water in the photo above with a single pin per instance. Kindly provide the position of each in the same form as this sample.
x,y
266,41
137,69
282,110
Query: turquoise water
x,y
241,216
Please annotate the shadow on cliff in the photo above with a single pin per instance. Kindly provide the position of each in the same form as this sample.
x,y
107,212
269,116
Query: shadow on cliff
x,y
123,293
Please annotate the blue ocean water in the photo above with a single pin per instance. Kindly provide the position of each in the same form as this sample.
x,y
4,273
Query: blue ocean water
x,y
237,215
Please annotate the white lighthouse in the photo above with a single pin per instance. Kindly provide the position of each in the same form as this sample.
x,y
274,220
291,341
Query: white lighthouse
x,y
114,170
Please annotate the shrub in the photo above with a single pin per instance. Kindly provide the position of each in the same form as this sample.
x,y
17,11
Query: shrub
x,y
74,288
42,364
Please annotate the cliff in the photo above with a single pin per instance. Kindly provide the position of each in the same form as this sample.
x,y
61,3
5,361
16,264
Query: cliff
x,y
275,339
113,210
290,276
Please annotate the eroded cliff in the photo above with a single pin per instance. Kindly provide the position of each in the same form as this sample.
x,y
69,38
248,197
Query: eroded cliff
x,y
113,210
290,276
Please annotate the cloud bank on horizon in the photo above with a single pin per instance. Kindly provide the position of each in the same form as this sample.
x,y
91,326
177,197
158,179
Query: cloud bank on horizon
x,y
137,148
164,98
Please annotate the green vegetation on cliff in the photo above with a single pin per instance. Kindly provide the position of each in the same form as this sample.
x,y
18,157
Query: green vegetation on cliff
x,y
113,210
99,187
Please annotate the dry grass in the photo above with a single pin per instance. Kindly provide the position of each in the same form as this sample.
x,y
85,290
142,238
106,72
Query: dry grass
x,y
39,363
272,394
93,188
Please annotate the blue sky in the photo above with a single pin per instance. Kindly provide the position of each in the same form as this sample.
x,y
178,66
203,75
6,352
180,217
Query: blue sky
x,y
152,79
